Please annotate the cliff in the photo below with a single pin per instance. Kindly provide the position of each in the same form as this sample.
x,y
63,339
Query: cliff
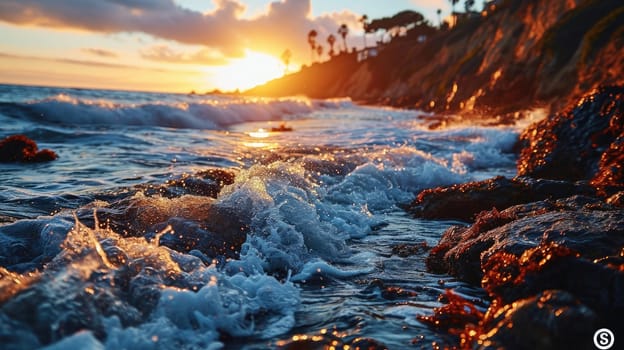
x,y
522,54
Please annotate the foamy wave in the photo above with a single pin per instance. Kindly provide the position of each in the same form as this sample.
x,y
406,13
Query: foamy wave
x,y
199,113
145,296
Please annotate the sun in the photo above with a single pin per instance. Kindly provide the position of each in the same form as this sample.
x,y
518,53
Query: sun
x,y
253,69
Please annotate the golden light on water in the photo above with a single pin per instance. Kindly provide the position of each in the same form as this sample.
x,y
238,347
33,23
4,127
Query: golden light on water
x,y
267,145
259,134
259,139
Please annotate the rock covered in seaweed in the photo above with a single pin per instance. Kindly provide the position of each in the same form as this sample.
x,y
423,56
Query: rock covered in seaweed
x,y
598,284
548,297
552,319
464,201
554,266
578,144
552,262
610,176
580,223
20,148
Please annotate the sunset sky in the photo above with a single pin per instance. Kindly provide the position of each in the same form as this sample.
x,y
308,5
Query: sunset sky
x,y
174,45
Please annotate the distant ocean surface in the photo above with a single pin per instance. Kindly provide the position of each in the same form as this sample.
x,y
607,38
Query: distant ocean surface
x,y
113,244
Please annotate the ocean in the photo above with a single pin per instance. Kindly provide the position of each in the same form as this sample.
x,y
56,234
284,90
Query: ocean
x,y
213,221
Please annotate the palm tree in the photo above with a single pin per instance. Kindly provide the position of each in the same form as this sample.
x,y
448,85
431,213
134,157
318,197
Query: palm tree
x,y
286,55
439,12
331,39
364,21
319,51
312,41
343,31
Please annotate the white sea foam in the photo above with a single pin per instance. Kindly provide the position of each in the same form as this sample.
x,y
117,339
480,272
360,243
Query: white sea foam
x,y
77,341
238,304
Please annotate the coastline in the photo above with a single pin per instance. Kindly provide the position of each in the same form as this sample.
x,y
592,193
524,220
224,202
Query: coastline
x,y
520,56
186,221
548,245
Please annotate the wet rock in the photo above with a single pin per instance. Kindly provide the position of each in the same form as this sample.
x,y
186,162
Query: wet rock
x,y
464,201
454,316
282,128
554,271
204,183
617,199
551,319
580,143
136,215
552,261
188,235
610,176
584,224
551,266
378,287
405,250
548,297
20,148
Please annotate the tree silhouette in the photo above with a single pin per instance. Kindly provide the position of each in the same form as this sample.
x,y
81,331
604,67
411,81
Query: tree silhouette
x,y
312,41
331,40
403,19
286,56
364,21
319,51
439,12
343,31
468,5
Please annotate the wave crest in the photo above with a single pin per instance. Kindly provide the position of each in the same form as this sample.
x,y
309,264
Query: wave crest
x,y
210,112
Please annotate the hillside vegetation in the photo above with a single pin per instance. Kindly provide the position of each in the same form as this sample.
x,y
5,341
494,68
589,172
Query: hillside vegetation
x,y
523,54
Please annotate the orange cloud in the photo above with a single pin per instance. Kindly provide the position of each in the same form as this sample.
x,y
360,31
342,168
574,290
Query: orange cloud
x,y
284,24
164,53
99,52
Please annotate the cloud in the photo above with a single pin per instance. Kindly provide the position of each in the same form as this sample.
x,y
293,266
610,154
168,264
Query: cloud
x,y
99,52
284,24
164,53
87,63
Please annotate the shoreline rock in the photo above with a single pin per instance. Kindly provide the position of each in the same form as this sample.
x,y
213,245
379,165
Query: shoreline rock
x,y
580,223
582,143
20,148
548,248
465,201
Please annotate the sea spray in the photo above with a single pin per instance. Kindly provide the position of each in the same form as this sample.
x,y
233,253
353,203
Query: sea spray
x,y
294,243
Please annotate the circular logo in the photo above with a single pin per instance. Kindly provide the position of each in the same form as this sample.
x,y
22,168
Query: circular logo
x,y
604,339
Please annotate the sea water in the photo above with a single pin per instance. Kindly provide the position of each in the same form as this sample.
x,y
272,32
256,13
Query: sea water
x,y
322,207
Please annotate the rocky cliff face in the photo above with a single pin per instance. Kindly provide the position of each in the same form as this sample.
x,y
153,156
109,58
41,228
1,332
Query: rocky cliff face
x,y
520,55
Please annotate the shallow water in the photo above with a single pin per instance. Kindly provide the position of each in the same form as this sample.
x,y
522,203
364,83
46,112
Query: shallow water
x,y
117,245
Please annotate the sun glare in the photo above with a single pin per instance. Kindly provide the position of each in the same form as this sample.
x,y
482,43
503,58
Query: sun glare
x,y
244,73
259,134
